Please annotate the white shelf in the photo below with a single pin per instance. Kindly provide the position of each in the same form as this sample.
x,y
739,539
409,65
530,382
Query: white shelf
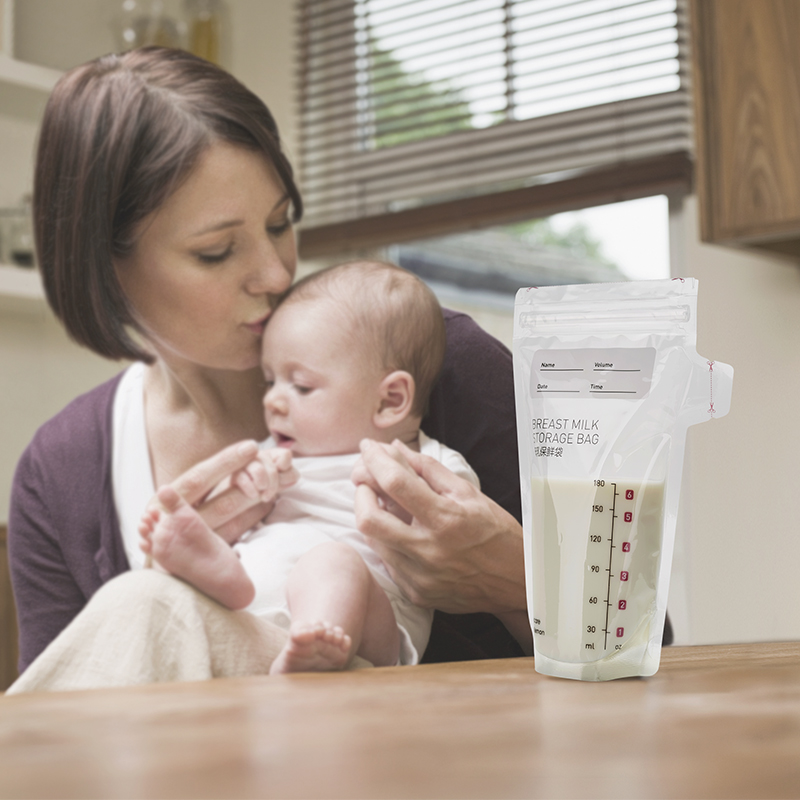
x,y
28,76
16,282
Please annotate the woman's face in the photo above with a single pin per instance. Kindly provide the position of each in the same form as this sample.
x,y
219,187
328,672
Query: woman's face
x,y
208,264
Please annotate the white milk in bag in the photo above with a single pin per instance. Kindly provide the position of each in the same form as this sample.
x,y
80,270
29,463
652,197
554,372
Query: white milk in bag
x,y
607,380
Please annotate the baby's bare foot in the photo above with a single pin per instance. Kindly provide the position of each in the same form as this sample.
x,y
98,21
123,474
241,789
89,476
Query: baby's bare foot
x,y
318,647
186,547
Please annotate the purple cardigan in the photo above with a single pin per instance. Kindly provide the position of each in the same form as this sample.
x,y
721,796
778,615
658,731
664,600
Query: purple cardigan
x,y
64,538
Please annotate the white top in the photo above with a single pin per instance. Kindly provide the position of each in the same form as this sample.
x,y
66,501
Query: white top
x,y
131,470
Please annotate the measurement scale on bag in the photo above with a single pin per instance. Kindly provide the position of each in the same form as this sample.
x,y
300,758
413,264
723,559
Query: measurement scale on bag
x,y
622,555
604,537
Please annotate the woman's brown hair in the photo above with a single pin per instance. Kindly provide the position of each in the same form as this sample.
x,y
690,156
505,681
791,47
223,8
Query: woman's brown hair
x,y
119,135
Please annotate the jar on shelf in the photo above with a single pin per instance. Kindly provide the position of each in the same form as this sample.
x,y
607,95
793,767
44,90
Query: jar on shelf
x,y
16,235
204,28
145,22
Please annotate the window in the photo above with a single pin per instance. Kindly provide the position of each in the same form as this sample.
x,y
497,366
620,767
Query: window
x,y
479,272
427,117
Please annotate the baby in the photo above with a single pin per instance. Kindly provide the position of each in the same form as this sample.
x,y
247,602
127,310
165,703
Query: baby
x,y
350,353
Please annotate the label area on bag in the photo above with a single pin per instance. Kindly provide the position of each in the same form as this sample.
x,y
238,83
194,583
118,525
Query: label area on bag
x,y
619,373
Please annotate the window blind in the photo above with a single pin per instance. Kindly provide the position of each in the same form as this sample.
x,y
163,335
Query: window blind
x,y
424,117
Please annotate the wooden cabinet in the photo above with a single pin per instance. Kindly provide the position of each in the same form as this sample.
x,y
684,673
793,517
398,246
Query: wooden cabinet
x,y
747,101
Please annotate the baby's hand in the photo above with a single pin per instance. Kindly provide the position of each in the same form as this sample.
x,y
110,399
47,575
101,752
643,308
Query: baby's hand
x,y
266,475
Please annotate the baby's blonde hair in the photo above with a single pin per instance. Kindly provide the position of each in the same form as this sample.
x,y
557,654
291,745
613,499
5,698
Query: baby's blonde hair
x,y
395,318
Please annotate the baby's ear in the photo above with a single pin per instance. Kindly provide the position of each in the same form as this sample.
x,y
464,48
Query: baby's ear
x,y
396,394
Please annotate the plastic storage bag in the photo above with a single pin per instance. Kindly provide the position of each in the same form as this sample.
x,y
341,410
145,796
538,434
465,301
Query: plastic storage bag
x,y
607,380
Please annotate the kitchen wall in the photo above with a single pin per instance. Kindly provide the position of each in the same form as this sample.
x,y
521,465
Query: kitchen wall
x,y
740,537
738,549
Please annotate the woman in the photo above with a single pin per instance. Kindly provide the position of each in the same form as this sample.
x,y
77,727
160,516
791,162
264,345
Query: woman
x,y
163,210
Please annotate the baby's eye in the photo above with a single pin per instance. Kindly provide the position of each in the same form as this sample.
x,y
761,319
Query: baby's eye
x,y
302,389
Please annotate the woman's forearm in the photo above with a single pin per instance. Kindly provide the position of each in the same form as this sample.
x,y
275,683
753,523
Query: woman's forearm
x,y
492,545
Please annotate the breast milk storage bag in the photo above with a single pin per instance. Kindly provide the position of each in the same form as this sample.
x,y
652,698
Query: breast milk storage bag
x,y
607,380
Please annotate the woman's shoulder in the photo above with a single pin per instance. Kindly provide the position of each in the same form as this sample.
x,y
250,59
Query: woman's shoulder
x,y
79,430
471,408
464,335
475,362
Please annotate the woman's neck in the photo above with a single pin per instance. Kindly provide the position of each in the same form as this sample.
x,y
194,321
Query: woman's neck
x,y
192,413
217,397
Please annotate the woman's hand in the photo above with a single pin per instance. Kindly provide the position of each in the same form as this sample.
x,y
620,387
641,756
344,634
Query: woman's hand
x,y
445,544
230,512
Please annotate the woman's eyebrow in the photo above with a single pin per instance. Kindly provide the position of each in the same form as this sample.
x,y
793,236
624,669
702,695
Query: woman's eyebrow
x,y
218,226
232,223
283,200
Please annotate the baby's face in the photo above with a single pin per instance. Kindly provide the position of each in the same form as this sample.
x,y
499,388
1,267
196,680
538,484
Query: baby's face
x,y
322,394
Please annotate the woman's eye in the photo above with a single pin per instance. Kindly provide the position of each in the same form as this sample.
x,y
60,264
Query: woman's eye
x,y
280,228
215,258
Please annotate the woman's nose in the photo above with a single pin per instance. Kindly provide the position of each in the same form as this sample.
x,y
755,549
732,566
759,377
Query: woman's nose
x,y
272,270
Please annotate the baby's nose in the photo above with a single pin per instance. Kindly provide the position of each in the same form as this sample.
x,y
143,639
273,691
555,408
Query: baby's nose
x,y
274,401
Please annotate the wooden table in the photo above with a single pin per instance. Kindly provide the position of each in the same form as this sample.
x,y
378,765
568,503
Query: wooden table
x,y
714,722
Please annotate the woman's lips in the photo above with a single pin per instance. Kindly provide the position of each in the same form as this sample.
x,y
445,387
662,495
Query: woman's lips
x,y
258,326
